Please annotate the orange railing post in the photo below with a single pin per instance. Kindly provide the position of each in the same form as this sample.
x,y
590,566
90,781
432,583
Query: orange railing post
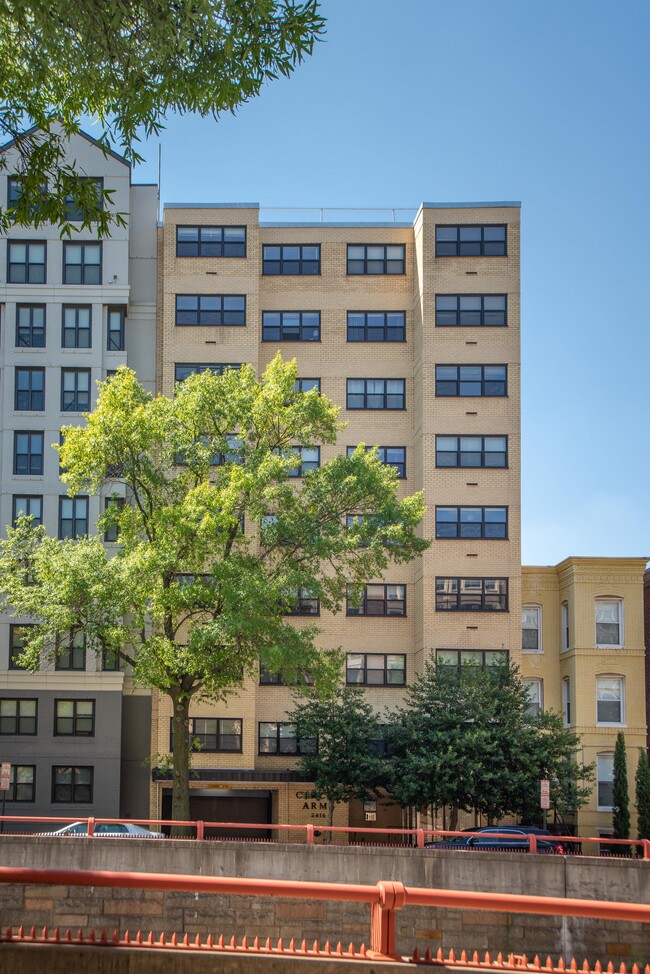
x,y
420,838
91,826
532,842
310,834
646,848
392,897
200,830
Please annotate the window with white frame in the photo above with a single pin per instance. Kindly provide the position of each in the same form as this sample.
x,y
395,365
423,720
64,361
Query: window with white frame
x,y
566,701
605,781
610,699
564,625
609,622
531,629
535,691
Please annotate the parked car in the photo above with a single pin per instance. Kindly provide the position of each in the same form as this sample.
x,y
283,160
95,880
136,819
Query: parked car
x,y
112,830
501,838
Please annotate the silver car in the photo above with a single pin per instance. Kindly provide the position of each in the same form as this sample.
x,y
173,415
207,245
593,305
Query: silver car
x,y
109,830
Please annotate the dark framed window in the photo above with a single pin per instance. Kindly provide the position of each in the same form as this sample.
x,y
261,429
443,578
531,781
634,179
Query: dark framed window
x,y
489,240
376,258
73,211
471,310
210,310
73,517
456,659
73,655
22,783
308,459
302,603
112,532
472,522
471,594
28,453
76,327
269,679
110,662
215,241
394,456
471,451
75,390
15,192
376,669
18,716
30,326
72,785
82,263
214,733
376,326
376,394
376,600
184,369
306,385
471,380
29,504
291,326
291,259
116,329
531,628
17,640
74,718
280,737
26,261
29,389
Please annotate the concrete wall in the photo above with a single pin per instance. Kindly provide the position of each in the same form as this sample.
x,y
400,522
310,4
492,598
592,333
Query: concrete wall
x,y
193,913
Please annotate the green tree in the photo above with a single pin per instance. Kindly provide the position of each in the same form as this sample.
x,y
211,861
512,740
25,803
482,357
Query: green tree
x,y
344,763
127,66
216,542
643,795
621,798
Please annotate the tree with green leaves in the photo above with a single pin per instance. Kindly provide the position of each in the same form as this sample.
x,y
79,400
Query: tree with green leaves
x,y
127,66
217,541
642,795
345,762
620,794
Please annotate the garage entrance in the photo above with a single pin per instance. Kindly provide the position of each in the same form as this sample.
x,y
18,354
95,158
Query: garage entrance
x,y
227,805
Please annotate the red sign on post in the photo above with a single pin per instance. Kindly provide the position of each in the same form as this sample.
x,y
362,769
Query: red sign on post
x,y
545,793
5,776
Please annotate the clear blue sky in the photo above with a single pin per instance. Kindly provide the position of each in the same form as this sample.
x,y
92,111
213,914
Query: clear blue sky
x,y
478,100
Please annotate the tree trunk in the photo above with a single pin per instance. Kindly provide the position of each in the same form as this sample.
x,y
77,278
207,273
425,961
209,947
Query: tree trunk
x,y
453,818
330,818
181,761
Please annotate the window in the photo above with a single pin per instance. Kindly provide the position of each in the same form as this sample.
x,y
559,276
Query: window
x,y
535,691
471,380
18,636
375,394
605,781
376,326
73,654
75,390
302,603
76,326
213,733
471,594
610,700
210,309
82,263
609,622
376,669
457,659
375,258
472,522
291,259
30,326
269,679
377,600
471,451
471,241
394,456
26,262
182,370
29,389
210,241
291,326
278,737
305,385
115,329
471,310
566,701
18,716
110,662
29,504
112,531
74,718
73,517
28,453
22,783
73,212
309,459
564,625
72,785
531,629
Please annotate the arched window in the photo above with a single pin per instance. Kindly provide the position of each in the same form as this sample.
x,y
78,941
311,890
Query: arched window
x,y
610,699
535,691
605,781
609,621
531,628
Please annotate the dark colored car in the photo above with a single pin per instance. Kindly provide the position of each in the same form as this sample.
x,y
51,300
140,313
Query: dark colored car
x,y
501,838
